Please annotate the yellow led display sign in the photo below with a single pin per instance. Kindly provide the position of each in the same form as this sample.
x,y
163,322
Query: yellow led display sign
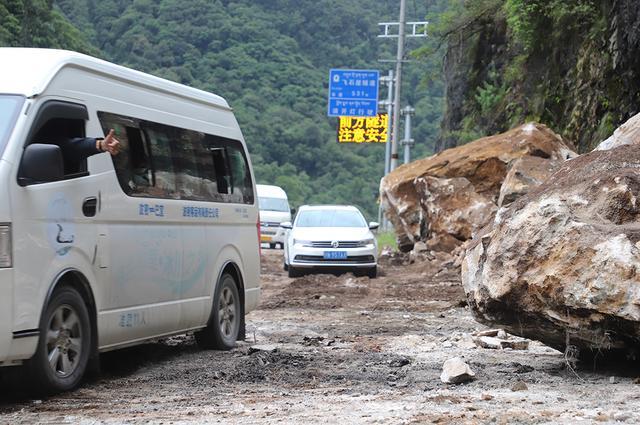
x,y
363,129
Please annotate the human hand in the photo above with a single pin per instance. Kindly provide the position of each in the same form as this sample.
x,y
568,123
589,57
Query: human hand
x,y
110,144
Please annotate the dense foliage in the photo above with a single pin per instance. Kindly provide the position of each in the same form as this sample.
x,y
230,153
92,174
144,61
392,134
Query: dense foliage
x,y
34,23
571,64
270,59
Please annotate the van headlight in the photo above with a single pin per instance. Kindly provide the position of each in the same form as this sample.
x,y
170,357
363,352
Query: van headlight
x,y
5,246
366,242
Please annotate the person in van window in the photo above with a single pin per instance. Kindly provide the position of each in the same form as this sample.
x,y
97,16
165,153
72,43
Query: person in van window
x,y
68,135
76,149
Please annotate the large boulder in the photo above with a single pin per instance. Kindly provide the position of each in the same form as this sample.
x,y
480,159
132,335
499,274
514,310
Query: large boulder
x,y
455,210
627,134
412,192
525,173
562,263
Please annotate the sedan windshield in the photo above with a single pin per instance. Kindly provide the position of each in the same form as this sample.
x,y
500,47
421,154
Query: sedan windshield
x,y
9,108
273,204
330,218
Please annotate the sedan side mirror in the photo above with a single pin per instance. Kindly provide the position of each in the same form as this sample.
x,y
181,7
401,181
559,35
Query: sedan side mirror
x,y
286,225
293,211
40,163
373,225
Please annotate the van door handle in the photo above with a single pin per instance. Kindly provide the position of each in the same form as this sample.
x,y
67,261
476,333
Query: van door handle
x,y
89,206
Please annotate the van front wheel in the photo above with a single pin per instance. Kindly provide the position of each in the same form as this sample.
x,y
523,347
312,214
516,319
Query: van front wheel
x,y
224,326
64,346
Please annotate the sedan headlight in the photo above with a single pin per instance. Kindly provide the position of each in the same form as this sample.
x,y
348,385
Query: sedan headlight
x,y
366,242
301,242
5,246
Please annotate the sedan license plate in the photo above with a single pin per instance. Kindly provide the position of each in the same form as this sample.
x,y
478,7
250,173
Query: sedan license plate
x,y
335,255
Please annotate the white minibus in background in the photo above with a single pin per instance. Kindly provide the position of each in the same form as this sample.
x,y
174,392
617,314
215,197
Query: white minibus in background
x,y
274,209
110,251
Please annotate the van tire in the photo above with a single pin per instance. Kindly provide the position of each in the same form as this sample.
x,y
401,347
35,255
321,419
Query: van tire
x,y
65,333
223,328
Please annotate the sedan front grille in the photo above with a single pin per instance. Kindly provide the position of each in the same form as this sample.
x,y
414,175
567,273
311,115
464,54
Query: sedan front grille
x,y
341,244
269,224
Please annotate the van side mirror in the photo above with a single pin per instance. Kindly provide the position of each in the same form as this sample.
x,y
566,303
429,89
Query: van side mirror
x,y
40,163
373,225
286,225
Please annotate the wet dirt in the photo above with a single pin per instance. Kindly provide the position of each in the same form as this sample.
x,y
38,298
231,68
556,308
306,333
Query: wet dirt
x,y
341,349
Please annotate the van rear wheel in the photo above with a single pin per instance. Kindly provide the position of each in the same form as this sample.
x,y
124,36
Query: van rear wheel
x,y
224,325
64,346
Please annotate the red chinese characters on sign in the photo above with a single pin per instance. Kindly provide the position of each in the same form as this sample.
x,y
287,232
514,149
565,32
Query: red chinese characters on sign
x,y
363,129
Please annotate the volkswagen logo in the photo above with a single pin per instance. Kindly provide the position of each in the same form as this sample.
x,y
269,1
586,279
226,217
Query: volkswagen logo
x,y
335,244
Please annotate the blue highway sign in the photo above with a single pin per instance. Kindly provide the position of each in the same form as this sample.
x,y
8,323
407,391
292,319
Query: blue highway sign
x,y
353,92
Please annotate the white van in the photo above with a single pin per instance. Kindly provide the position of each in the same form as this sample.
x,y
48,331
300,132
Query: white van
x,y
108,252
274,209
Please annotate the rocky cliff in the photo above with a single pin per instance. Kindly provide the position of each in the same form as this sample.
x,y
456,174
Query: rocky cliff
x,y
573,65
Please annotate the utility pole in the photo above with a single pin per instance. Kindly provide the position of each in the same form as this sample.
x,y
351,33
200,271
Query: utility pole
x,y
417,29
388,80
407,142
396,97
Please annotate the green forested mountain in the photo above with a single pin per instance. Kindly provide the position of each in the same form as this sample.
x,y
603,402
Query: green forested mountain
x,y
35,23
270,59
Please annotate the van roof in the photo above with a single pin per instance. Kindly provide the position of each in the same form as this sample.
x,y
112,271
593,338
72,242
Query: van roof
x,y
28,72
268,190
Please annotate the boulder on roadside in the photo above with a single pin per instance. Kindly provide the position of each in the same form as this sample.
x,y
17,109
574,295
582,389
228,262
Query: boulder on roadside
x,y
562,263
627,134
525,173
456,371
455,210
411,193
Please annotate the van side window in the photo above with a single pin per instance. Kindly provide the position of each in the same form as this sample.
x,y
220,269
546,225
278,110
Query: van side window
x,y
240,176
158,160
58,123
164,174
133,164
232,169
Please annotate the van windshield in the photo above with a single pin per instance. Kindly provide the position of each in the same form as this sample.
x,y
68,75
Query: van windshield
x,y
273,204
9,109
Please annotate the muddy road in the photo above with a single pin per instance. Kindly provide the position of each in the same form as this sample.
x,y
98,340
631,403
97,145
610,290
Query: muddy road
x,y
341,349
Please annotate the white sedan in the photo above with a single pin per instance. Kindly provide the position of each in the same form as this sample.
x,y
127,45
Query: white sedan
x,y
330,238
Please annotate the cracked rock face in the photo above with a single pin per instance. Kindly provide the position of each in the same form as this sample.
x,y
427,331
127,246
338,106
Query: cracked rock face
x,y
446,198
562,263
455,210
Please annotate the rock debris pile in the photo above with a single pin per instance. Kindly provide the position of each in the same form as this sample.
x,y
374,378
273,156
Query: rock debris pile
x,y
550,240
445,199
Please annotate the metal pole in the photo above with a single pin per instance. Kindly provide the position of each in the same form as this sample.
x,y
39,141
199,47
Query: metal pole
x,y
407,141
387,148
384,223
396,97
